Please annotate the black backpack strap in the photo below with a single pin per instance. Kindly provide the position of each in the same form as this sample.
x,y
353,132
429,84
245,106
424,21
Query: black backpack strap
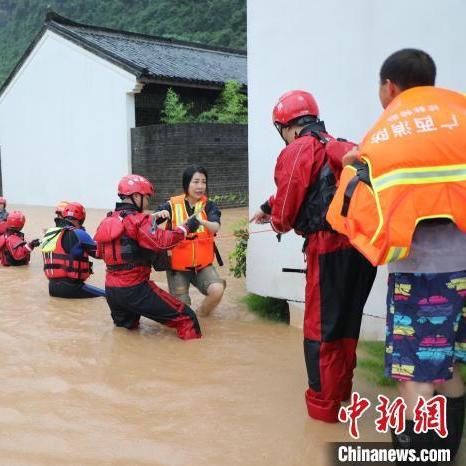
x,y
362,175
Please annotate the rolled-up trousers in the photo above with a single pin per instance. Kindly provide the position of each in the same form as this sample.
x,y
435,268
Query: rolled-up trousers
x,y
338,282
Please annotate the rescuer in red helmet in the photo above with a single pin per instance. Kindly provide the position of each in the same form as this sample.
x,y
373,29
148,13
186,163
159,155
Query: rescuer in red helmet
x,y
127,240
14,250
59,210
3,215
338,278
66,249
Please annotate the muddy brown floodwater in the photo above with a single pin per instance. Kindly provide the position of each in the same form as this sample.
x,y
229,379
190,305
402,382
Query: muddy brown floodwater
x,y
77,391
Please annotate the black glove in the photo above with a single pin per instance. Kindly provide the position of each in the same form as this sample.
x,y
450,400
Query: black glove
x,y
265,207
192,224
34,243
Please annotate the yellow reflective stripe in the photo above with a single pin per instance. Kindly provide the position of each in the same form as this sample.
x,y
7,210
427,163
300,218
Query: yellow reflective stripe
x,y
179,220
199,209
430,217
420,175
395,253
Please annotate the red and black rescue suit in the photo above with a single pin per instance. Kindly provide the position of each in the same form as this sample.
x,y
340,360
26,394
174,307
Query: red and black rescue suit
x,y
14,250
338,278
127,241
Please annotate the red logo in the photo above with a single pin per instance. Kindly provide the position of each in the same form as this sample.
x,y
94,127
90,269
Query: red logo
x,y
353,412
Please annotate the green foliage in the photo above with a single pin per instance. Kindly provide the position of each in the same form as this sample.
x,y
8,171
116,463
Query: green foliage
x,y
371,362
268,308
231,106
239,198
238,255
463,372
174,111
212,22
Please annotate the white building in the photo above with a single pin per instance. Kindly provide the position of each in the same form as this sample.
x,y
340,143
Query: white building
x,y
67,108
334,49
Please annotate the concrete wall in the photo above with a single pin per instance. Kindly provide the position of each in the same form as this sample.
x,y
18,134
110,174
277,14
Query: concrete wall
x,y
65,124
333,49
162,152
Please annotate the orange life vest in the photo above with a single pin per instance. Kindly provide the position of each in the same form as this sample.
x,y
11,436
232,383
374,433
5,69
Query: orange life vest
x,y
197,250
412,168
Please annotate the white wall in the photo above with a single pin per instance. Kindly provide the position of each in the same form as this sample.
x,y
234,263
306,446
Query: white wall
x,y
65,127
334,49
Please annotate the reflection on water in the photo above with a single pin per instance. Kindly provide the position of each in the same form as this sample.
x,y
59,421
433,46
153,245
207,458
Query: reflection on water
x,y
77,391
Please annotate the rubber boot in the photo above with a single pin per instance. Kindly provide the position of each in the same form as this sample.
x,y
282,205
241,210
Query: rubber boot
x,y
455,423
410,440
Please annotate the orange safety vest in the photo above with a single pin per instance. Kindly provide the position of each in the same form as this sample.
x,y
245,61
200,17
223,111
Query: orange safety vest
x,y
412,168
197,250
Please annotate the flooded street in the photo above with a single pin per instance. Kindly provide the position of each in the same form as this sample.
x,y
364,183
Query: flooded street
x,y
77,391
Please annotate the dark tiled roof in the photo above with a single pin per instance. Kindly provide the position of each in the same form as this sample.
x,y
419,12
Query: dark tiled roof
x,y
148,57
156,57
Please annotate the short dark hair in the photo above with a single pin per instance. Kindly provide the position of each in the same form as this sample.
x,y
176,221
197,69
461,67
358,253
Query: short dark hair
x,y
409,68
190,172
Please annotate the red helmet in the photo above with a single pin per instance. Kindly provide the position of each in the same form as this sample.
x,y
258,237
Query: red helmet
x,y
75,211
61,207
132,184
3,200
16,220
294,104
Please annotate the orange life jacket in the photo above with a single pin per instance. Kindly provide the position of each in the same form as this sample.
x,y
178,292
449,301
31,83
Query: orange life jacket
x,y
60,264
412,168
197,250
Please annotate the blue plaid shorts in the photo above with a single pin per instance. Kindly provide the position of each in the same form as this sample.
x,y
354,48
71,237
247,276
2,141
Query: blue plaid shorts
x,y
426,325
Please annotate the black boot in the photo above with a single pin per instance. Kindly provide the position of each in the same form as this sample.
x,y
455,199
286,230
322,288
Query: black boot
x,y
410,440
455,423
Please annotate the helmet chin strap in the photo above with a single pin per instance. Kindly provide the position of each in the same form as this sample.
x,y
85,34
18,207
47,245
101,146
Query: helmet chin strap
x,y
139,207
279,128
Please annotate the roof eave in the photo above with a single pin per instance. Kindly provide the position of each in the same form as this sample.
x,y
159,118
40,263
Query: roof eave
x,y
99,51
194,83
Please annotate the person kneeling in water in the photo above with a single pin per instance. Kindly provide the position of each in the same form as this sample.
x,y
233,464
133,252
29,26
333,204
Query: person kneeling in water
x,y
14,250
128,240
66,249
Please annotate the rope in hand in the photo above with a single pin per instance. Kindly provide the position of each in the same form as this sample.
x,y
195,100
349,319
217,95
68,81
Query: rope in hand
x,y
270,230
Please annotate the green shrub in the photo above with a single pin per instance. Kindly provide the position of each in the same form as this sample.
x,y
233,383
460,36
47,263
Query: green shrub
x,y
231,106
239,198
238,255
174,111
268,308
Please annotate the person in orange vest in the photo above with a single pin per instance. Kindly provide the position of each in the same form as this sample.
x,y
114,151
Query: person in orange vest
x,y
434,276
66,249
426,299
192,260
127,240
3,215
14,250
